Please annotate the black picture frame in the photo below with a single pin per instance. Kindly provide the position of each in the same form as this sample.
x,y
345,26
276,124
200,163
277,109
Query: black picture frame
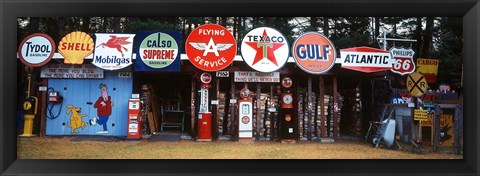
x,y
10,10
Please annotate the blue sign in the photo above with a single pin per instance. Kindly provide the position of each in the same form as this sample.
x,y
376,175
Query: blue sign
x,y
158,50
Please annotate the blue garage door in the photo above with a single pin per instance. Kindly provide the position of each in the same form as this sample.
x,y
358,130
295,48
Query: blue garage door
x,y
82,94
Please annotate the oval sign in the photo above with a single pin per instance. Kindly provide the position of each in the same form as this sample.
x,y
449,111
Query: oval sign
x,y
314,53
36,50
211,47
265,49
158,50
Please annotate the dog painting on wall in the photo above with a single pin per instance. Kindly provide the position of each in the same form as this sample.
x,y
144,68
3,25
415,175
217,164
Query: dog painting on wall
x,y
75,119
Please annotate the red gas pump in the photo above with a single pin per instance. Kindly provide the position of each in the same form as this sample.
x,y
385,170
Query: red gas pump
x,y
287,119
245,115
204,116
134,114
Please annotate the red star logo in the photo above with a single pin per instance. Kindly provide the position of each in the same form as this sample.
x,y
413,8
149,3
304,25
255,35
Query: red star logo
x,y
264,48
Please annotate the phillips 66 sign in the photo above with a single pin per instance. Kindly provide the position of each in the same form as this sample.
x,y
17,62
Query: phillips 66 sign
x,y
404,61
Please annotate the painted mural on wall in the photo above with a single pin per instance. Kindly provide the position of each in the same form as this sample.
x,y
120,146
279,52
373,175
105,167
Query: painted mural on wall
x,y
76,121
104,106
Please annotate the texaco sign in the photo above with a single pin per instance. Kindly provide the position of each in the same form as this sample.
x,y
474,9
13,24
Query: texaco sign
x,y
265,49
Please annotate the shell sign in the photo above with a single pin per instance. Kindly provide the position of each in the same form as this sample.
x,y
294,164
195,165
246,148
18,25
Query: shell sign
x,y
314,53
74,47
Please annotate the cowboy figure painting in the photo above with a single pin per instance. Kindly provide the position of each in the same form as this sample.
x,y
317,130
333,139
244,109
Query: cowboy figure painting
x,y
104,109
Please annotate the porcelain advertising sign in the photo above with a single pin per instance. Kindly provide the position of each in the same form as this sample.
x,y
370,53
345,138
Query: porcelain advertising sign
x,y
404,61
265,49
314,53
211,47
75,46
366,59
36,50
113,51
158,51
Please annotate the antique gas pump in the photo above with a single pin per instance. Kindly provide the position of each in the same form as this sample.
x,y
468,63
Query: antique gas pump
x,y
134,119
30,106
286,113
204,116
245,111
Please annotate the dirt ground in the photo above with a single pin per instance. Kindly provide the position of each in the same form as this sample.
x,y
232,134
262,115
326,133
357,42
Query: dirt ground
x,y
64,148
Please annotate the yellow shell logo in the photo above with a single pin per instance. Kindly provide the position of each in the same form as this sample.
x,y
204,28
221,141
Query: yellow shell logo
x,y
74,47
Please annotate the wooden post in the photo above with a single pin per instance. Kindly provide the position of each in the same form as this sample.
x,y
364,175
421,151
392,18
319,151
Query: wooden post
x,y
322,107
192,106
309,102
232,109
272,119
335,106
257,136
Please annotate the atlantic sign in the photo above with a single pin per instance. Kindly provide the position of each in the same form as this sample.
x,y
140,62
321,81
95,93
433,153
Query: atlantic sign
x,y
366,59
314,53
36,50
113,51
211,47
265,49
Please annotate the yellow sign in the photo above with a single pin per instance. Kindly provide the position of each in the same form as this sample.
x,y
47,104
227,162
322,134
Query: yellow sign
x,y
429,68
74,47
416,84
446,128
420,115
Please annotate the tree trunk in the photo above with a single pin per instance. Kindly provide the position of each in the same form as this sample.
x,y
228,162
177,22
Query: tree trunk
x,y
314,23
33,25
86,24
377,28
104,24
116,24
224,21
326,27
427,38
418,36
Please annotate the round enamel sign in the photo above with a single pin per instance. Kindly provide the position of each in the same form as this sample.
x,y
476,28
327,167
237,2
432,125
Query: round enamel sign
x,y
287,82
211,47
205,78
265,49
158,50
36,50
314,53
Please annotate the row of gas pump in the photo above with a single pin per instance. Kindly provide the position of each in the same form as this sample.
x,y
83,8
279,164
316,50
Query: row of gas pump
x,y
245,114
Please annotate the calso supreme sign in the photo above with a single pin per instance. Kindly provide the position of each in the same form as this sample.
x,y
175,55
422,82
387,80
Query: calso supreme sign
x,y
404,61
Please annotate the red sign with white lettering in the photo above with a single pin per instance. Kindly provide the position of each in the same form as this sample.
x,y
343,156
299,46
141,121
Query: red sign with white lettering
x,y
211,47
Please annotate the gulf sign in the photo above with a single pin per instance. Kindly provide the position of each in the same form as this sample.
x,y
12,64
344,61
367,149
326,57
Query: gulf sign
x,y
314,53
75,46
113,51
366,59
211,47
36,50
265,49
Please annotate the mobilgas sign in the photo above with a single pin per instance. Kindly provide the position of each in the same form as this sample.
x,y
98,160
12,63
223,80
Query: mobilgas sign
x,y
158,51
366,59
113,51
265,49
36,50
211,47
404,61
314,53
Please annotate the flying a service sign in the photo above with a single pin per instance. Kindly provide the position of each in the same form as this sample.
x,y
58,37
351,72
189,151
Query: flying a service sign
x,y
113,51
314,53
36,50
211,47
158,51
265,49
404,60
366,59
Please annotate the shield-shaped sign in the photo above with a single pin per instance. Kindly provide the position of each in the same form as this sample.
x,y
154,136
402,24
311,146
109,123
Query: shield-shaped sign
x,y
404,61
